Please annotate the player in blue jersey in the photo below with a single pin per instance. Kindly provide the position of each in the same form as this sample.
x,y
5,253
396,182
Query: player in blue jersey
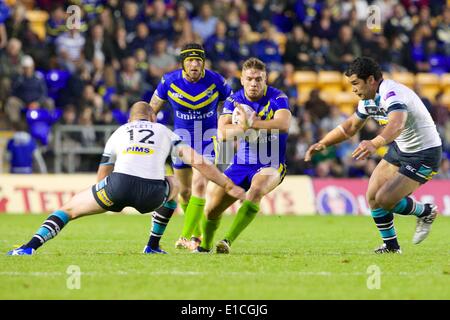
x,y
258,166
195,94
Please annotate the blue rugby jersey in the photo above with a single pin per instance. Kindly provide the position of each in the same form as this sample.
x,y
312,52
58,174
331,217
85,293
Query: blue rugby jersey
x,y
263,150
193,103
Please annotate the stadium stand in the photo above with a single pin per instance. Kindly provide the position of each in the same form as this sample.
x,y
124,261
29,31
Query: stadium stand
x,y
96,71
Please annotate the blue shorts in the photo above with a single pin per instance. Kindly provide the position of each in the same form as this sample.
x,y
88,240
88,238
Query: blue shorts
x,y
420,166
242,174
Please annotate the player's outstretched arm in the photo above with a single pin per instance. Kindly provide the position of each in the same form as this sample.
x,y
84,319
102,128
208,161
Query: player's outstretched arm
x,y
341,133
190,156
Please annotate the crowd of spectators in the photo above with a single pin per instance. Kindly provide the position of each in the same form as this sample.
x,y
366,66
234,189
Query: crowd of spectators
x,y
91,72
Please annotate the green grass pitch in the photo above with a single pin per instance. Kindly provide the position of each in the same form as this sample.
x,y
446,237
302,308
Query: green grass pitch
x,y
277,257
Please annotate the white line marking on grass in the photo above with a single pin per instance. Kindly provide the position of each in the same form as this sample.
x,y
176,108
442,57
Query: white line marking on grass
x,y
200,273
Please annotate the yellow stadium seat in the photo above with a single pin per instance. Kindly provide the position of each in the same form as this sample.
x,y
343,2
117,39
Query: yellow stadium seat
x,y
446,100
327,96
346,101
429,84
305,81
330,81
406,78
445,83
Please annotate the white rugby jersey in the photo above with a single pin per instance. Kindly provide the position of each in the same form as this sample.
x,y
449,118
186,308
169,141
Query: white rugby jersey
x,y
140,148
420,131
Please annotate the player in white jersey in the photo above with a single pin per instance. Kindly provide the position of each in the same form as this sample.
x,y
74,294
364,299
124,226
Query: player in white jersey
x,y
414,149
131,174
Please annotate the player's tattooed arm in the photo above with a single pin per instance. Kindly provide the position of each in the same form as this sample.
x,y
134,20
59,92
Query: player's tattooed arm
x,y
156,103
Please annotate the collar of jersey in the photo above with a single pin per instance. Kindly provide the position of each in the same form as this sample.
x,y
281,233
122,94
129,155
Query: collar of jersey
x,y
378,89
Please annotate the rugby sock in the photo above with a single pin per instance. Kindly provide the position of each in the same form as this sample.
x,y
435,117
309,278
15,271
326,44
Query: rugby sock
x,y
160,219
209,228
49,229
385,224
408,206
183,206
246,213
198,227
194,212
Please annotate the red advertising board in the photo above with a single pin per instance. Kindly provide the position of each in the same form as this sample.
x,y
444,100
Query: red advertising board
x,y
347,196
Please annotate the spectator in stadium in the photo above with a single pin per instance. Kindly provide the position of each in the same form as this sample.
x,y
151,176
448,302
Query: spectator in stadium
x,y
324,25
69,48
159,22
182,25
21,149
130,82
243,46
121,47
344,49
297,49
218,45
319,54
131,17
267,49
117,175
99,45
160,61
316,106
443,31
195,94
10,66
56,24
142,40
258,11
205,23
400,24
29,91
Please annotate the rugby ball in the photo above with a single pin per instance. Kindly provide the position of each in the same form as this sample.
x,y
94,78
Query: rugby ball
x,y
251,135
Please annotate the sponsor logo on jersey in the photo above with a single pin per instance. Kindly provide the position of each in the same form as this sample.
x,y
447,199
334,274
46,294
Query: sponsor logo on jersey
x,y
104,198
389,94
138,150
190,115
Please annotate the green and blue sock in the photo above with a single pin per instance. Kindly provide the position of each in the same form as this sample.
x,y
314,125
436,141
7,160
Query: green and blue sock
x,y
384,220
160,219
49,229
408,206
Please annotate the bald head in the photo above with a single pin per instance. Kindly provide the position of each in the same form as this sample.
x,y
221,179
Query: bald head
x,y
142,110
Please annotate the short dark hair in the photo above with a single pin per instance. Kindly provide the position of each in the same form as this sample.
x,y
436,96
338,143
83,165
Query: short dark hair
x,y
364,67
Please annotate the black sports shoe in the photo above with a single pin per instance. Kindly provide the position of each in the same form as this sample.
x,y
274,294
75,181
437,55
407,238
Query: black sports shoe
x,y
200,250
384,249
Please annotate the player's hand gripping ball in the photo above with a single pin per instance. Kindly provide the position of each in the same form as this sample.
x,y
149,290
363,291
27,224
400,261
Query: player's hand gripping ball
x,y
251,134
